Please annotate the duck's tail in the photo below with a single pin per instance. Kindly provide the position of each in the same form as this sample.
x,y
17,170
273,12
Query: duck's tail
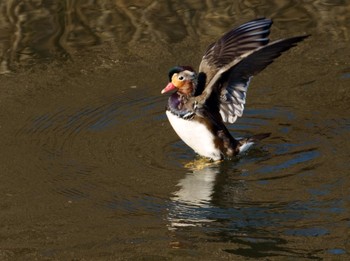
x,y
245,143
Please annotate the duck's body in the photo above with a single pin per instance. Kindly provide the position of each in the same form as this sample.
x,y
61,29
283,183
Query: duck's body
x,y
196,135
204,102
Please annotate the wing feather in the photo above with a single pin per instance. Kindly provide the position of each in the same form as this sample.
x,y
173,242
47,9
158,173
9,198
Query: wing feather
x,y
231,81
233,44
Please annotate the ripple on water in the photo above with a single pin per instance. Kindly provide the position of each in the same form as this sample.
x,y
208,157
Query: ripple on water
x,y
100,151
105,151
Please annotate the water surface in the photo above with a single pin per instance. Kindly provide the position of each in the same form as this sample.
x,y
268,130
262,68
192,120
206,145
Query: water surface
x,y
92,170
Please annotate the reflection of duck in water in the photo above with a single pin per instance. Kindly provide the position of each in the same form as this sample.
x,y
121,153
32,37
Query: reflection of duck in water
x,y
204,102
191,204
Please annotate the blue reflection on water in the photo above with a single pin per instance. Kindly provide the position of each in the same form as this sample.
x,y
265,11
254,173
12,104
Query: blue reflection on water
x,y
298,158
337,251
345,76
311,231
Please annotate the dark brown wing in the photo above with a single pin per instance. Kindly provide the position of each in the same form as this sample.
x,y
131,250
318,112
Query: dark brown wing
x,y
233,44
226,92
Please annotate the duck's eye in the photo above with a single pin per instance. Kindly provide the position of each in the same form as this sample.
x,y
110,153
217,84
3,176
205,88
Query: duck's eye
x,y
181,78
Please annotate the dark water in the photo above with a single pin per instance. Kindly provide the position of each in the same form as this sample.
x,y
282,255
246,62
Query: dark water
x,y
91,169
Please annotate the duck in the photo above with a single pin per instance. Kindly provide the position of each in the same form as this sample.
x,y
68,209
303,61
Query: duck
x,y
203,102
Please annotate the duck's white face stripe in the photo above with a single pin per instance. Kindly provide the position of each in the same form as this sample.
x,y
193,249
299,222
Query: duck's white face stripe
x,y
188,75
195,135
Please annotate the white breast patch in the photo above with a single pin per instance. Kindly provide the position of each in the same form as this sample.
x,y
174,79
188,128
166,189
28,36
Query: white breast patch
x,y
195,135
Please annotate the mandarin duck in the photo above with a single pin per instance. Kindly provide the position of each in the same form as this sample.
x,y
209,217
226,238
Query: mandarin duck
x,y
203,102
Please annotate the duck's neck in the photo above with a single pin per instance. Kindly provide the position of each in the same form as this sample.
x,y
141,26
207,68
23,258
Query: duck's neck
x,y
187,90
176,104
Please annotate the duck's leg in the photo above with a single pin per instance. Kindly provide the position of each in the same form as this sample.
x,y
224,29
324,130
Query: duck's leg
x,y
201,163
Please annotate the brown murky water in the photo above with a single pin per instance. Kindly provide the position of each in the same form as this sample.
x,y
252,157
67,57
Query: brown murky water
x,y
91,169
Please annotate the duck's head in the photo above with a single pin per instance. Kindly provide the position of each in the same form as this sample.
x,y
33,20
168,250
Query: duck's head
x,y
182,78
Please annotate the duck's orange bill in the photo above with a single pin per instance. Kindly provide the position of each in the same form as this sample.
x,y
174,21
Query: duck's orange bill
x,y
168,88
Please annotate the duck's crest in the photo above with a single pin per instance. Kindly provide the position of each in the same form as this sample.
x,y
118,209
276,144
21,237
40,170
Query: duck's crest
x,y
178,69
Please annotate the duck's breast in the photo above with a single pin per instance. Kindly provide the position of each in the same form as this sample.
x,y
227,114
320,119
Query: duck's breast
x,y
196,135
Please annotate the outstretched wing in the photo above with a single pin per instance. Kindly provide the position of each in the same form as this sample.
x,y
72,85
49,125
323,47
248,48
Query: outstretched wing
x,y
233,84
233,44
228,65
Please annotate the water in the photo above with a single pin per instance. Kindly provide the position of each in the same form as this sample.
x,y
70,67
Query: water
x,y
92,170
